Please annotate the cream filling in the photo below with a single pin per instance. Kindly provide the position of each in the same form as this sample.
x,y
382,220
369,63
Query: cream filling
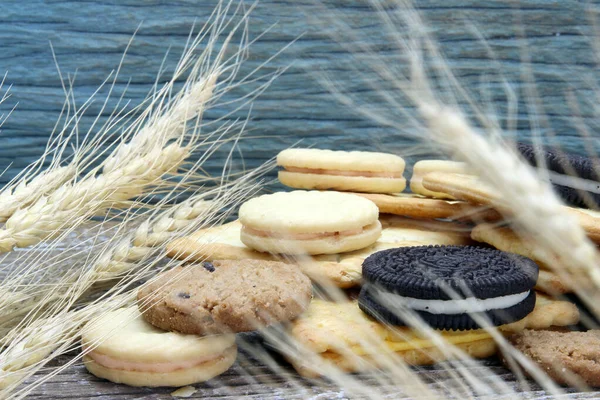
x,y
450,307
307,236
337,172
159,367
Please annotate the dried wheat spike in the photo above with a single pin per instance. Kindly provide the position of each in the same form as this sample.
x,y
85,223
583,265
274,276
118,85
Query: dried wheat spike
x,y
51,216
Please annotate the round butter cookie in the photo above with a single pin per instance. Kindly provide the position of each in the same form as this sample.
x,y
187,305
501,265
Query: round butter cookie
x,y
123,348
445,285
302,222
225,296
424,167
359,171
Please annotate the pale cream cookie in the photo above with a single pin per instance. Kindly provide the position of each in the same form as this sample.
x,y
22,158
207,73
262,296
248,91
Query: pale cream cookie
x,y
123,348
359,171
340,335
313,222
424,167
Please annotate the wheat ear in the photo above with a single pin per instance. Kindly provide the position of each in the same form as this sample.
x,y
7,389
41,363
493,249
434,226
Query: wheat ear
x,y
139,164
29,347
531,202
52,215
126,175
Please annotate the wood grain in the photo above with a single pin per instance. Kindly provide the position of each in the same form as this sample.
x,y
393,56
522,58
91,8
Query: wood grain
x,y
89,38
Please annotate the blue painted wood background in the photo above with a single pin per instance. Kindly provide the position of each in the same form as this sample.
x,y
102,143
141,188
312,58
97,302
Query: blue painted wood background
x,y
89,38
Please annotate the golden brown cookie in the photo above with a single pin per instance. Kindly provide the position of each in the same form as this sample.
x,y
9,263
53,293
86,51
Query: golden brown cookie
x,y
341,335
551,283
225,296
471,189
417,206
505,239
341,270
569,358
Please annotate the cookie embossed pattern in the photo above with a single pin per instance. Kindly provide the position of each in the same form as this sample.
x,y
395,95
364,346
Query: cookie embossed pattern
x,y
444,285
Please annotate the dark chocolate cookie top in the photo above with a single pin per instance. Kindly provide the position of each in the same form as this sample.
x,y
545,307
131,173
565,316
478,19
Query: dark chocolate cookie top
x,y
428,272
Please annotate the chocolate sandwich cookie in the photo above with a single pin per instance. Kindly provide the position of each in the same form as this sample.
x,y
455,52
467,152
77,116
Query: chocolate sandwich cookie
x,y
445,285
566,164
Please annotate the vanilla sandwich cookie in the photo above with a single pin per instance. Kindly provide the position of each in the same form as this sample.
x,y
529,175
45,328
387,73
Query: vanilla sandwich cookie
x,y
302,222
446,286
424,167
123,348
358,171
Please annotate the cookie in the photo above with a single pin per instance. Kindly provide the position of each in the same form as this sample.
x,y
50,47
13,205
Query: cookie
x,y
342,270
472,189
359,171
505,239
421,280
569,358
225,296
121,347
562,163
424,167
302,222
337,334
417,206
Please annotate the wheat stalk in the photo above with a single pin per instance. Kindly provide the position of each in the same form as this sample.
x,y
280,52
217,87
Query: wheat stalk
x,y
52,215
29,352
139,163
529,200
128,173
124,174
188,104
30,346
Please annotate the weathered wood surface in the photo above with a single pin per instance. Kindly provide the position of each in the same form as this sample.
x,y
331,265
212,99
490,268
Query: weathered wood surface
x,y
251,379
89,38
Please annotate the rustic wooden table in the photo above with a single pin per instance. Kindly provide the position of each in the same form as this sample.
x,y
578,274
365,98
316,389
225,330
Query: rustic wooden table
x,y
260,372
252,379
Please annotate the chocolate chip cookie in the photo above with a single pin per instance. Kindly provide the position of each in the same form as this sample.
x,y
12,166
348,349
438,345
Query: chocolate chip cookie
x,y
225,296
567,357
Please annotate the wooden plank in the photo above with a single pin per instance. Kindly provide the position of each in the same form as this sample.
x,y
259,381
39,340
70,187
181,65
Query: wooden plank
x,y
90,36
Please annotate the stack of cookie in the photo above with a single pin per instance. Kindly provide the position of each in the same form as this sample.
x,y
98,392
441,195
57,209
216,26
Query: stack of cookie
x,y
470,191
268,224
184,330
328,234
